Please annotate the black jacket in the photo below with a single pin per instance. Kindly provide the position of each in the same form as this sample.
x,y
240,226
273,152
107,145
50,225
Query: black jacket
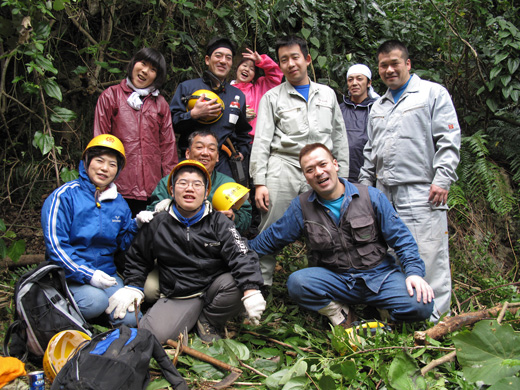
x,y
190,258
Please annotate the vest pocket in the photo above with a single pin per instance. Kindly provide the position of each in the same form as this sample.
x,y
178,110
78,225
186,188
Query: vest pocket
x,y
363,229
319,237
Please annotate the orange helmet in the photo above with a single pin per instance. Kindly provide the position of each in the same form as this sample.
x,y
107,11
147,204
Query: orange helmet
x,y
108,141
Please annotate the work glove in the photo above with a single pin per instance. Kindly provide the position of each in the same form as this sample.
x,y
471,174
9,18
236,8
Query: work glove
x,y
163,205
123,300
255,306
144,217
102,280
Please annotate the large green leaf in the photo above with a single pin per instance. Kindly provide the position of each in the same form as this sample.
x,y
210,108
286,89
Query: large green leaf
x,y
2,225
68,175
44,142
509,383
404,374
3,249
238,349
488,353
16,250
282,377
52,88
61,115
297,383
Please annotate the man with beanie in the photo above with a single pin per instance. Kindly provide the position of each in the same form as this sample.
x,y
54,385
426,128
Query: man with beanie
x,y
207,113
355,109
412,155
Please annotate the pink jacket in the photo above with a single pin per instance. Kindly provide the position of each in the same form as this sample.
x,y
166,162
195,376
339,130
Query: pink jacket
x,y
255,91
147,135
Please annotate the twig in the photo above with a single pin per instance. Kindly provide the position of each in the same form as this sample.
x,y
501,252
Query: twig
x,y
252,369
236,383
437,362
513,250
312,380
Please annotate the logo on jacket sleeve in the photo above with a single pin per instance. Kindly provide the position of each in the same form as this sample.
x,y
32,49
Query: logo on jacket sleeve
x,y
117,219
238,241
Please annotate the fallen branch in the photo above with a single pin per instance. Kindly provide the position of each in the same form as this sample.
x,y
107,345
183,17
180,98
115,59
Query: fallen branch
x,y
489,289
305,349
437,362
457,322
252,369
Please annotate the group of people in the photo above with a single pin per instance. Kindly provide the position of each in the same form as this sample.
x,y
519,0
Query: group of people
x,y
365,182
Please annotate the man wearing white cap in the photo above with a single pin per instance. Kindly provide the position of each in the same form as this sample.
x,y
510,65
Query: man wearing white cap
x,y
355,109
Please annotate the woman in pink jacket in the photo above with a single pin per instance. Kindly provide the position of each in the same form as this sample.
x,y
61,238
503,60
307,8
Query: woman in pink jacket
x,y
135,113
254,87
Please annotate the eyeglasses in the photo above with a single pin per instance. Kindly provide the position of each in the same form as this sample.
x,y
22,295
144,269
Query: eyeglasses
x,y
183,184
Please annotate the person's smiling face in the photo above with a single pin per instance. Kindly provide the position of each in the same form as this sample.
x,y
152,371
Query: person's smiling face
x,y
394,69
294,64
220,61
321,172
143,74
246,72
190,192
102,170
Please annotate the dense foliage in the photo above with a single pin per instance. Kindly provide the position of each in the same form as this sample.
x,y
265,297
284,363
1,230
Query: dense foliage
x,y
57,56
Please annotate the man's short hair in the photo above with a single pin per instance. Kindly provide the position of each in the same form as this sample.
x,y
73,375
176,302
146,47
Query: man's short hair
x,y
153,57
392,44
201,133
311,147
291,40
217,42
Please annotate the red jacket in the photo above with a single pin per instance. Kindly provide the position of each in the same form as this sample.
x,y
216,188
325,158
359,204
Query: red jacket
x,y
147,135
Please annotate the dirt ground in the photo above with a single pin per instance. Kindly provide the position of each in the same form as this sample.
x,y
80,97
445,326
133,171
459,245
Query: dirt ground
x,y
26,224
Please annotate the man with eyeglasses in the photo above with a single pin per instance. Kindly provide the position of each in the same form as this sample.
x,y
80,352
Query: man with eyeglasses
x,y
207,273
208,113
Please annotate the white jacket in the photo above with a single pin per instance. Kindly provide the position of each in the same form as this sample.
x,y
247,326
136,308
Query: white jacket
x,y
286,123
416,140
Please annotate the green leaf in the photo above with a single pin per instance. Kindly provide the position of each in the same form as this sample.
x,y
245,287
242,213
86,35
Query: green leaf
x,y
43,141
305,32
239,349
492,104
506,384
515,95
500,57
309,21
10,234
315,41
61,115
59,5
322,61
483,351
404,374
46,64
52,89
348,369
512,64
494,72
67,175
296,383
267,353
80,70
16,250
2,225
327,383
505,79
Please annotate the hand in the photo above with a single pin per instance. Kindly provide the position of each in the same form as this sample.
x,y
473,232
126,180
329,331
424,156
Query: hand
x,y
262,198
254,303
420,285
250,113
229,213
144,217
163,205
102,280
252,55
122,300
438,196
205,109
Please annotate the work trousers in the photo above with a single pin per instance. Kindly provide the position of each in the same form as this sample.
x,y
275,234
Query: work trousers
x,y
284,182
219,303
315,287
429,226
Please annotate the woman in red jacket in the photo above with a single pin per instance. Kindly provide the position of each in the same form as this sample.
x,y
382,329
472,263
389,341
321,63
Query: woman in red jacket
x,y
134,112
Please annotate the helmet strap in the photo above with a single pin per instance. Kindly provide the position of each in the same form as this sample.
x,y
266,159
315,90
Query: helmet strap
x,y
216,85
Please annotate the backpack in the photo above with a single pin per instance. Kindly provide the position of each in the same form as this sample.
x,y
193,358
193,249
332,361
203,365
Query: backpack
x,y
44,306
116,360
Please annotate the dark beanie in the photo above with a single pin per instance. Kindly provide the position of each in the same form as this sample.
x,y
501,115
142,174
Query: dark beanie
x,y
217,42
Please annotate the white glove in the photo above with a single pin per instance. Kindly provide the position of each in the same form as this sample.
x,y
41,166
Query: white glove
x,y
123,300
163,205
255,306
102,280
144,217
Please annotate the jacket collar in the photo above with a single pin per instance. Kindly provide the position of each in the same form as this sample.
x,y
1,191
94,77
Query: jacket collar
x,y
207,210
413,87
365,103
350,191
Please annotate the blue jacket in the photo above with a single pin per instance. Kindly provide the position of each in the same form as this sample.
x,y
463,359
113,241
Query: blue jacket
x,y
81,237
290,227
184,125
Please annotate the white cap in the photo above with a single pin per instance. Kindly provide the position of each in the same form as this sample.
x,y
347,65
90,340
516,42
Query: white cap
x,y
360,68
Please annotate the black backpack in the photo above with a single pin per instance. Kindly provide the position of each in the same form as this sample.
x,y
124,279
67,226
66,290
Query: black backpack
x,y
44,306
117,360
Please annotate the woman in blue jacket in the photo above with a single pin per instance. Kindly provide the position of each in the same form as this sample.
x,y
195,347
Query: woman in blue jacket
x,y
85,221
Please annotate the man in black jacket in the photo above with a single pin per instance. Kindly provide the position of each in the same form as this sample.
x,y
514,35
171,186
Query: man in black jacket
x,y
206,270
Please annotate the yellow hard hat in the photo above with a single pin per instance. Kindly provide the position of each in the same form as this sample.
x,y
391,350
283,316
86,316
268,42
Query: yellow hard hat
x,y
60,348
208,95
229,195
365,329
193,163
108,141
